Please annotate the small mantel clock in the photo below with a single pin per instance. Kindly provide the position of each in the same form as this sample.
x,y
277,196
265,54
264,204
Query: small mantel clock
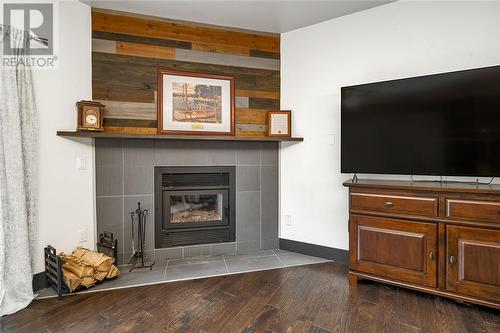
x,y
90,116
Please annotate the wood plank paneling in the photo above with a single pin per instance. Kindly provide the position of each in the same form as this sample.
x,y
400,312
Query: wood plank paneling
x,y
241,102
151,51
140,73
264,103
220,48
158,29
116,122
129,110
104,91
240,132
134,71
130,130
251,116
264,54
227,59
258,94
128,51
141,40
103,45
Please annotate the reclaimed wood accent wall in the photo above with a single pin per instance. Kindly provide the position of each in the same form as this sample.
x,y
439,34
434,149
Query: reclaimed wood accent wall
x,y
128,51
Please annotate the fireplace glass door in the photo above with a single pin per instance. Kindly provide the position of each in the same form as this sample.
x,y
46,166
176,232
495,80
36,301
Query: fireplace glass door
x,y
195,208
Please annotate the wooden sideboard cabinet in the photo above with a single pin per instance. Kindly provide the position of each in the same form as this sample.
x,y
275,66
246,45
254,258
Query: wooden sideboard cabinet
x,y
439,238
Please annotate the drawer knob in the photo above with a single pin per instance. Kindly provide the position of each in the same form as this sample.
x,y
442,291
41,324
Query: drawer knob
x,y
431,255
453,260
389,204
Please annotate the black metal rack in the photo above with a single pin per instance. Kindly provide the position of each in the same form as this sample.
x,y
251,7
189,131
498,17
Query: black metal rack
x,y
108,245
53,263
53,271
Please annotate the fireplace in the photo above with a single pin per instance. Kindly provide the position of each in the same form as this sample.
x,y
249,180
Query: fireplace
x,y
194,205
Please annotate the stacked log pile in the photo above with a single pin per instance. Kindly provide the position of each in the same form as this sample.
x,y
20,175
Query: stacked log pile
x,y
84,267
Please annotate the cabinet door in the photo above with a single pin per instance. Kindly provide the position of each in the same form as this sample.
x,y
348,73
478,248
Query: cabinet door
x,y
473,261
396,249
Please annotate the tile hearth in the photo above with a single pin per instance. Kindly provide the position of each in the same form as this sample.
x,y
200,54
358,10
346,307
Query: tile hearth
x,y
199,267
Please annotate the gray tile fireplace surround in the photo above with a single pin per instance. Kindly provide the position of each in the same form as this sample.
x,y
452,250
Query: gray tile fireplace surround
x,y
124,176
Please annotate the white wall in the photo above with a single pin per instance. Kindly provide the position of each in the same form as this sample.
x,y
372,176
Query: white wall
x,y
66,195
401,39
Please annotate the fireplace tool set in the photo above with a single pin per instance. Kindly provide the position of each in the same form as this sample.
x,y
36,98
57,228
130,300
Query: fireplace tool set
x,y
137,259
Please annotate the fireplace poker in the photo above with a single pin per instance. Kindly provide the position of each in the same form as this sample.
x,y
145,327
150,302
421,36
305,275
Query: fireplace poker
x,y
137,258
133,237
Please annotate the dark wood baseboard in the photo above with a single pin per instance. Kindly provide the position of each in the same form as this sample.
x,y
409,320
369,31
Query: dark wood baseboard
x,y
314,250
39,281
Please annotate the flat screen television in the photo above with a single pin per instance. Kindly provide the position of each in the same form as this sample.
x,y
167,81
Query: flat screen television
x,y
445,124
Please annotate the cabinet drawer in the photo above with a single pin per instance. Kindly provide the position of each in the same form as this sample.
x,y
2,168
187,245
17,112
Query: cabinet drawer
x,y
423,206
397,249
488,211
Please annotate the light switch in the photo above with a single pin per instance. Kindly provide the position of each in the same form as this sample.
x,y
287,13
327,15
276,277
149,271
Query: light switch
x,y
81,163
331,139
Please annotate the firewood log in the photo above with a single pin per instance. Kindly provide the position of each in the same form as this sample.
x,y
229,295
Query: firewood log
x,y
71,280
88,281
99,261
99,276
81,268
113,272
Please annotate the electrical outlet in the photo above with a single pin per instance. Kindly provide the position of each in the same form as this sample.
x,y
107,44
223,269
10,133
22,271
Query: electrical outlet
x,y
83,235
288,220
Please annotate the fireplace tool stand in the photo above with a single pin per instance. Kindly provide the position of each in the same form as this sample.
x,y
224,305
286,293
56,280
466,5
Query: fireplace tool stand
x,y
137,259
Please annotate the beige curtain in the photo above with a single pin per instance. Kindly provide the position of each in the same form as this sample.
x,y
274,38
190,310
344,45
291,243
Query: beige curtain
x,y
18,133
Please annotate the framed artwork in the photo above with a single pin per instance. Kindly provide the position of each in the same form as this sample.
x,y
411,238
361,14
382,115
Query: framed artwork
x,y
195,103
279,123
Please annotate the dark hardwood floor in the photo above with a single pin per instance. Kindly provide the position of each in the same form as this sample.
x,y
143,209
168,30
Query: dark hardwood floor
x,y
314,298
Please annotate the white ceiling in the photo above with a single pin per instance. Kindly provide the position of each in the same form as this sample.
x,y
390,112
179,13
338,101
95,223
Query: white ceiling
x,y
268,16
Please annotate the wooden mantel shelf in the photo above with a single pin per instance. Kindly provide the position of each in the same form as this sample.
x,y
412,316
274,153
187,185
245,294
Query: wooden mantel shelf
x,y
69,134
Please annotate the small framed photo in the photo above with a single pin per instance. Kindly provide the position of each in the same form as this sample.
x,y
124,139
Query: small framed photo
x,y
280,123
195,103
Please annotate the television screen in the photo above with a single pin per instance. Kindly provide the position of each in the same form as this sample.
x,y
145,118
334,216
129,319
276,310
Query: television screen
x,y
445,124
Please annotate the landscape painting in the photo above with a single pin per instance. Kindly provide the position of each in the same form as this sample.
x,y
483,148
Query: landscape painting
x,y
195,103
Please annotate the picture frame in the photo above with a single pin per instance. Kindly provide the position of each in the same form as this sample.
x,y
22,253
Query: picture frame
x,y
195,103
279,123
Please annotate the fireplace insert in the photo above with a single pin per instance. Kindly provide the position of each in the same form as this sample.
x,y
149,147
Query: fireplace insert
x,y
194,205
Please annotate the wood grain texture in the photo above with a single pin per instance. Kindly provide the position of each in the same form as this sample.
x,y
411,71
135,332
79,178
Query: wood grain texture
x,y
264,103
129,110
251,116
393,248
176,44
142,123
258,93
150,51
415,205
220,48
312,298
128,51
117,72
130,130
459,248
116,134
227,59
158,29
473,209
103,45
475,270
